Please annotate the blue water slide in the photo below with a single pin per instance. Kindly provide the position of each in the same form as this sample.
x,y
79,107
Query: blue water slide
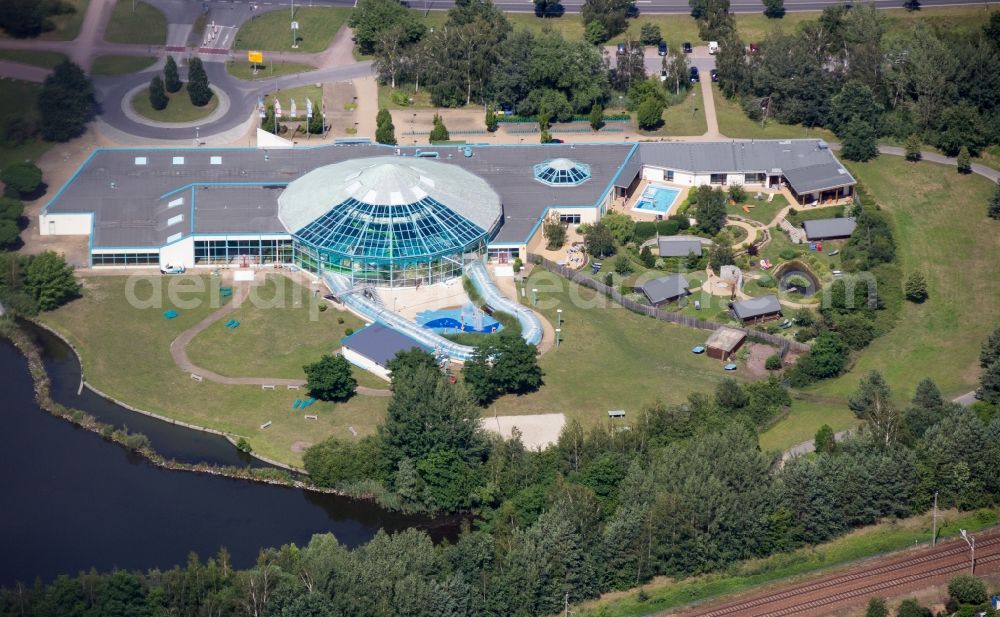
x,y
531,326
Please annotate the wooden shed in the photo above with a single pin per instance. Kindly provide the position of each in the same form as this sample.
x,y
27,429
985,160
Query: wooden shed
x,y
724,343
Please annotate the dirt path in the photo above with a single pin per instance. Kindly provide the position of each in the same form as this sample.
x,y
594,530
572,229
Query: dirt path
x,y
178,351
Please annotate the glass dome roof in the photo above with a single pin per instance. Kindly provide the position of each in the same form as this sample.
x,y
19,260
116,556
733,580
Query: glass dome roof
x,y
562,172
386,208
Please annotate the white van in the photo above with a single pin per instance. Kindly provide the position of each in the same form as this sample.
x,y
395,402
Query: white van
x,y
713,47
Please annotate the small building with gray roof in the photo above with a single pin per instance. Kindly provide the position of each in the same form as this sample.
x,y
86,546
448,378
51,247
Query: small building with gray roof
x,y
679,246
829,229
372,348
756,310
724,343
664,289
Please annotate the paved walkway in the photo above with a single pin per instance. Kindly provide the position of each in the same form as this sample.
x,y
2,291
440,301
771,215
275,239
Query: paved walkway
x,y
178,351
708,104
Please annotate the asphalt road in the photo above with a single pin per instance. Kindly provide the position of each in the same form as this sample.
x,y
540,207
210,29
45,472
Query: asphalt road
x,y
644,6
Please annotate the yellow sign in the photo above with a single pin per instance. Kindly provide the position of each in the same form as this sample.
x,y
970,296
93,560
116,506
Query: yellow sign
x,y
255,57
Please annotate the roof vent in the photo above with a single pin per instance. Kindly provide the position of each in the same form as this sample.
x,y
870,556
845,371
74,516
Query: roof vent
x,y
140,160
178,160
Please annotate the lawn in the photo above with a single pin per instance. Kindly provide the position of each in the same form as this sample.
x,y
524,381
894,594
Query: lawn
x,y
26,95
179,109
684,119
126,354
420,100
942,231
734,123
887,537
763,211
121,65
270,31
67,25
241,69
35,57
279,332
146,25
610,358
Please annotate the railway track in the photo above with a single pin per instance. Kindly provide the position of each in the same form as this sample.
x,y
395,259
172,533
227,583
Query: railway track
x,y
842,589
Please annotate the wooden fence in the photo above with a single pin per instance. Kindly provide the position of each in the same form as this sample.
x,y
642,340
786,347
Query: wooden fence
x,y
783,344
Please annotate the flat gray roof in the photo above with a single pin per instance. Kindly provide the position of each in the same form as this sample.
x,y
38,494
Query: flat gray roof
x,y
380,343
129,191
807,164
820,229
755,307
679,246
665,288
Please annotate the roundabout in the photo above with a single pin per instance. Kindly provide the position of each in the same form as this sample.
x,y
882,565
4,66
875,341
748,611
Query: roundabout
x,y
136,107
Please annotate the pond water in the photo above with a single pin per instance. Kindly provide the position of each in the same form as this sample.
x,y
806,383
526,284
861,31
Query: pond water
x,y
73,500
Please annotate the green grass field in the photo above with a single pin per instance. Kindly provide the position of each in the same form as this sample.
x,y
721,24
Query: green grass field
x,y
147,25
179,109
126,354
610,358
684,119
299,94
271,32
763,211
244,70
734,123
67,26
44,59
121,65
665,593
26,94
279,332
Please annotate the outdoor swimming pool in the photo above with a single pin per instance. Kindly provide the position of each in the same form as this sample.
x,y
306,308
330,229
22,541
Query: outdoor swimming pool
x,y
460,319
657,199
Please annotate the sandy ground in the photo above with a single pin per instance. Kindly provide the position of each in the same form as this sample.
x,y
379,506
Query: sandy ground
x,y
537,431
758,355
408,301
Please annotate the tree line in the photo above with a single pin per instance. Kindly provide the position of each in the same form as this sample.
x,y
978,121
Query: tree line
x,y
846,72
685,490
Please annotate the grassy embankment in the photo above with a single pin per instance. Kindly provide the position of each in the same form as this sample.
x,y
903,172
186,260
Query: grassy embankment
x,y
270,32
666,593
146,25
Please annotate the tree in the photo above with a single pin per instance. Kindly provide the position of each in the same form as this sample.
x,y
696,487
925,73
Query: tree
x,y
371,17
555,233
774,9
595,33
650,34
855,100
963,162
736,193
649,115
406,362
315,125
990,351
711,209
49,280
21,179
171,80
66,102
10,234
989,384
729,395
491,120
913,146
678,73
916,287
198,90
390,53
967,589
502,364
872,402
439,132
623,265
876,608
911,608
24,18
622,226
334,462
385,131
646,257
860,142
331,378
993,208
597,122
611,14
721,255
157,97
825,440
598,240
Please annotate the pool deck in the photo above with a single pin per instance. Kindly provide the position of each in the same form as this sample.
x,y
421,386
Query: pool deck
x,y
408,301
629,206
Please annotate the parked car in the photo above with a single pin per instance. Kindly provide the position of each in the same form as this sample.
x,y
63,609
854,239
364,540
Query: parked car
x,y
713,47
687,47
694,74
715,74
171,269
663,74
662,49
754,48
621,48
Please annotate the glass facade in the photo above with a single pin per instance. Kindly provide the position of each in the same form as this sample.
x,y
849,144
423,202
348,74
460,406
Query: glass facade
x,y
255,251
126,259
400,245
572,219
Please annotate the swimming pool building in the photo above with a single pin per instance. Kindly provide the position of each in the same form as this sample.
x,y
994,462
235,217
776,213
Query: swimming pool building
x,y
383,215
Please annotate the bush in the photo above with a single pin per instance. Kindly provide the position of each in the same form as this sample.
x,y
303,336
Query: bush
x,y
650,34
967,589
649,114
348,331
916,287
644,230
439,132
330,379
773,362
21,179
243,445
788,253
682,221
518,265
667,228
963,162
157,96
623,265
